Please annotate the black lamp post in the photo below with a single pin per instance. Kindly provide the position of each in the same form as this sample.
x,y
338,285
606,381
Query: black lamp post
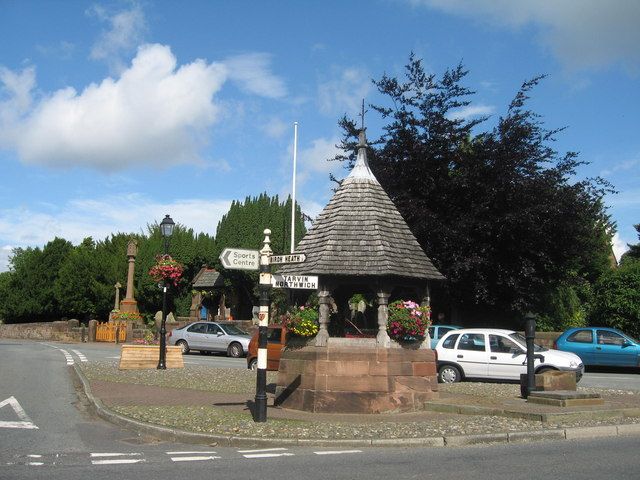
x,y
166,227
530,335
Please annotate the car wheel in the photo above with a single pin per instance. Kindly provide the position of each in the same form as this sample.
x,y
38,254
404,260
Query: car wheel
x,y
253,364
184,346
544,370
235,350
449,374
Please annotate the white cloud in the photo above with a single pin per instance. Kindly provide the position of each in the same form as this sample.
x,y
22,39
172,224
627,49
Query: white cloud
x,y
581,33
471,111
619,246
623,166
276,128
252,72
344,92
5,252
126,30
314,158
155,113
100,218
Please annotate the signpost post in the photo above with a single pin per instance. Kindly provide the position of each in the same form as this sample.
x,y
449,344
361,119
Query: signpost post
x,y
240,259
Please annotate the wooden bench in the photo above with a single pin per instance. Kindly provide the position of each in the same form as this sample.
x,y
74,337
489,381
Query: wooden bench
x,y
146,356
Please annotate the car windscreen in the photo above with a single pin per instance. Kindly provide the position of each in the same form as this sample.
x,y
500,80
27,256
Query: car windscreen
x,y
519,338
233,330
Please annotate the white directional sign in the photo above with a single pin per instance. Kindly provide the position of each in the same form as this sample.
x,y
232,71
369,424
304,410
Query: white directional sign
x,y
291,258
239,259
307,282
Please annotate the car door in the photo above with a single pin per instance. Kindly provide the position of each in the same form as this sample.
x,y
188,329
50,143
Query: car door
x,y
507,360
216,340
195,335
582,343
471,354
613,349
275,343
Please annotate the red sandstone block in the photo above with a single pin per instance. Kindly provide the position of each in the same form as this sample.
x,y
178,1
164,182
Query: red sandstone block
x,y
419,384
345,367
424,369
357,384
378,368
400,368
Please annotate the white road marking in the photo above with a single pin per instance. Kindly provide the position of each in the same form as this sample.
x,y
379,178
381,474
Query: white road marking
x,y
192,456
68,356
268,455
118,461
34,456
112,454
35,463
280,449
25,420
193,459
189,452
337,452
80,355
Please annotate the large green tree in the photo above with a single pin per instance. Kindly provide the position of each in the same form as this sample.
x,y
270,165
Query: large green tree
x,y
498,211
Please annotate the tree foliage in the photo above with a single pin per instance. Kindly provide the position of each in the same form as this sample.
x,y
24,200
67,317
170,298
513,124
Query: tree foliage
x,y
498,211
62,280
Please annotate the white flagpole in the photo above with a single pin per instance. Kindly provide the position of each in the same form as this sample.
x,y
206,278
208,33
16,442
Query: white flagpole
x,y
293,188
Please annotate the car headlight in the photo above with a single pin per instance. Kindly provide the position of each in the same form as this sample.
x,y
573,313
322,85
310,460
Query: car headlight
x,y
573,364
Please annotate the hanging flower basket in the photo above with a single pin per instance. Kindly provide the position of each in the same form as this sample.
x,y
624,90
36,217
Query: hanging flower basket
x,y
166,269
301,321
408,321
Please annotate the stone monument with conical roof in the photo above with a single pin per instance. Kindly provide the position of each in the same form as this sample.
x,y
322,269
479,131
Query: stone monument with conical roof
x,y
360,240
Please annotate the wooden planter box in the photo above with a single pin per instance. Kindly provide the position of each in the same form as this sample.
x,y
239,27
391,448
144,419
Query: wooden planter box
x,y
146,356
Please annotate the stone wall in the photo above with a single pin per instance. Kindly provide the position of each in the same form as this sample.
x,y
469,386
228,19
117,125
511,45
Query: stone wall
x,y
356,379
63,331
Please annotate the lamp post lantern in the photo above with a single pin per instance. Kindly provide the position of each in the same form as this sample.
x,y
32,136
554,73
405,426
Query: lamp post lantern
x,y
166,227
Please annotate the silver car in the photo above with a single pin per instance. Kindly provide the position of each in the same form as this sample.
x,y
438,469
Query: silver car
x,y
211,337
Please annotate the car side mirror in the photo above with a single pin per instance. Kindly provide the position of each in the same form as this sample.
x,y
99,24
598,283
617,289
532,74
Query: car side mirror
x,y
219,334
516,351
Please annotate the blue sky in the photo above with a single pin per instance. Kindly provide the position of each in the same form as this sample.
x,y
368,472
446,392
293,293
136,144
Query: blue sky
x,y
113,114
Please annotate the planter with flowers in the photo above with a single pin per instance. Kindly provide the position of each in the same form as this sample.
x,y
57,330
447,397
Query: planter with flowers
x,y
408,321
302,325
166,269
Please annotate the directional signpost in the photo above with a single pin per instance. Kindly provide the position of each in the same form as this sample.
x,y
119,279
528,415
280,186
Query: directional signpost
x,y
291,258
239,259
306,282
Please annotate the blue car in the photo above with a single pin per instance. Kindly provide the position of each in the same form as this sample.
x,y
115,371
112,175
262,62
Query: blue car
x,y
436,332
601,346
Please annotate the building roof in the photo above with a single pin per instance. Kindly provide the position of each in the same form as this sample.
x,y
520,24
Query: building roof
x,y
208,278
361,233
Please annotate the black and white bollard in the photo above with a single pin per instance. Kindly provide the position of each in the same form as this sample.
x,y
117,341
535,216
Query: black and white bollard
x,y
260,414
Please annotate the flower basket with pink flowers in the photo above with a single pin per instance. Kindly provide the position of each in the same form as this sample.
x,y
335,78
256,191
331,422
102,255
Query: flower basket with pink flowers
x,y
166,269
408,321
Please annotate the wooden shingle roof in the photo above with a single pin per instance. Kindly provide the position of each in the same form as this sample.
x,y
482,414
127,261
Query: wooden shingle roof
x,y
208,278
361,233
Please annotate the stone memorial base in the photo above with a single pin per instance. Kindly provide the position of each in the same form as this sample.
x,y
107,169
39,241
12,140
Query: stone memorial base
x,y
356,377
565,398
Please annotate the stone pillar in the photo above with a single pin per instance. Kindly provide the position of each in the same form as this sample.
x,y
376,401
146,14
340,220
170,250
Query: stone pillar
x,y
129,303
324,315
383,338
92,330
196,303
426,296
116,305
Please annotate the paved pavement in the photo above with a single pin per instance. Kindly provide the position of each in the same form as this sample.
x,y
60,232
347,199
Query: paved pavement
x,y
619,416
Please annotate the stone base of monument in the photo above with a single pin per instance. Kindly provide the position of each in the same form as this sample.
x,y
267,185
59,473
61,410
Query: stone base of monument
x,y
356,377
565,398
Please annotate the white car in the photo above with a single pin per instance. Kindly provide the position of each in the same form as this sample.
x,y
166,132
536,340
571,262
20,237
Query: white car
x,y
495,354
